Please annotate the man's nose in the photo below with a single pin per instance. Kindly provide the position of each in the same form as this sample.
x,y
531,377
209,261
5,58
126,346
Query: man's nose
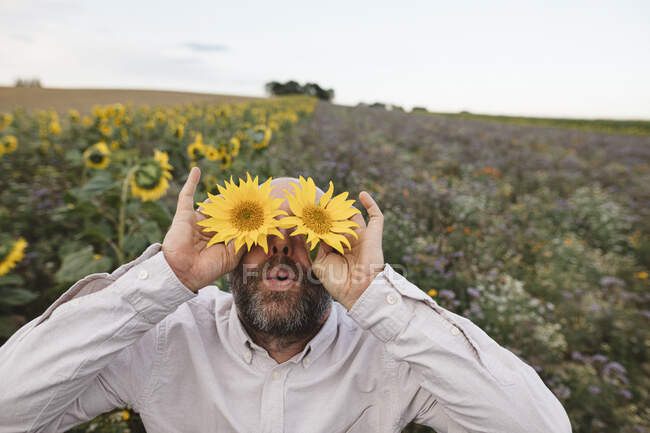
x,y
280,246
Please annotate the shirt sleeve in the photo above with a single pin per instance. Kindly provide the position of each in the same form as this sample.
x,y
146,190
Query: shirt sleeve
x,y
475,384
56,370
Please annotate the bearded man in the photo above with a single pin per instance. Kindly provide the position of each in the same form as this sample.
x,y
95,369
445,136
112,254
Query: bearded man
x,y
342,343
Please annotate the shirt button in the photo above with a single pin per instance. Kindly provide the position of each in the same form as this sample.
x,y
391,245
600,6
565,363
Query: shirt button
x,y
143,275
391,298
276,375
454,330
307,361
247,355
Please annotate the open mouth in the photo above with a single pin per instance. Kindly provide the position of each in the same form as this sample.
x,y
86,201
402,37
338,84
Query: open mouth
x,y
280,277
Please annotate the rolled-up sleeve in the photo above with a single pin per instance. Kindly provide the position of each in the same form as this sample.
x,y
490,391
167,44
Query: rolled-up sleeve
x,y
478,385
57,359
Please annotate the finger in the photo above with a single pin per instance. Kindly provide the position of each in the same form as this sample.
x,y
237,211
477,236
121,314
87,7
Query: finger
x,y
186,196
376,217
323,250
237,255
358,218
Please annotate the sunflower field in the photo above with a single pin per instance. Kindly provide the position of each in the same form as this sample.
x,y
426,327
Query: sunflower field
x,y
539,235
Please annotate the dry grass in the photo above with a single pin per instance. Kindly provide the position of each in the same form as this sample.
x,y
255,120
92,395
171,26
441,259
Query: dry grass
x,y
83,100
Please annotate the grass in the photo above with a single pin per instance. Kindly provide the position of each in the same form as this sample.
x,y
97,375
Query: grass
x,y
631,127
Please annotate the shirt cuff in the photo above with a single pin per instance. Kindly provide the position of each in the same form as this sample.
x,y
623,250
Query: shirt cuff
x,y
152,288
382,309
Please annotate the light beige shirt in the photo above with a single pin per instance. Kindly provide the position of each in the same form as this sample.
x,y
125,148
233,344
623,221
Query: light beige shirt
x,y
184,361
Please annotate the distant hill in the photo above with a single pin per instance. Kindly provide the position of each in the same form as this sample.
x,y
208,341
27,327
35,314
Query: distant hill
x,y
83,100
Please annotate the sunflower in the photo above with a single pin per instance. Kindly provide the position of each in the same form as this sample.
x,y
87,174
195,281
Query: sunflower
x,y
97,156
197,148
261,135
8,144
225,160
55,127
5,120
180,131
105,129
11,254
74,116
211,153
149,181
245,213
234,145
326,220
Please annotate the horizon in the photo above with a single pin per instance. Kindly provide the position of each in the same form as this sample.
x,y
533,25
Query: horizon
x,y
631,119
586,60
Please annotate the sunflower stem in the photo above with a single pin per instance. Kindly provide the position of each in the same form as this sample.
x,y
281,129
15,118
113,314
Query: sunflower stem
x,y
115,249
122,220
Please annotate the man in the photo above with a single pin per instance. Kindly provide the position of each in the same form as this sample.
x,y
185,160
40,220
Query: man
x,y
276,356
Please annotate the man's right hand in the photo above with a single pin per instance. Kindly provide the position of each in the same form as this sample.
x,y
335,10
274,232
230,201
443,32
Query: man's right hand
x,y
184,244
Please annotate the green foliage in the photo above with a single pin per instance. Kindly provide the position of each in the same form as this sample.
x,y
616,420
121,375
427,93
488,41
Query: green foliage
x,y
294,88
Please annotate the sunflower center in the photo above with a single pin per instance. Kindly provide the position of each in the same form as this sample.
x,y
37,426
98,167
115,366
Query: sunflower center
x,y
148,175
316,219
96,157
247,215
258,136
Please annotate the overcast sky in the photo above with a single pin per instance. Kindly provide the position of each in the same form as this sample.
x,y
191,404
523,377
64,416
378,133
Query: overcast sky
x,y
549,58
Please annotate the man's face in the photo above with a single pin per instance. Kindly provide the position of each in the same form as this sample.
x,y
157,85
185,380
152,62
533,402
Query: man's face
x,y
275,292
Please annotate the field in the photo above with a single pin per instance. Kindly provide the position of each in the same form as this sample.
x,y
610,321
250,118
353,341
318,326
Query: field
x,y
539,235
634,127
83,100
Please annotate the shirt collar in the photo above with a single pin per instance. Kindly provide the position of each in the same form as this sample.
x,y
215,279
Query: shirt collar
x,y
240,339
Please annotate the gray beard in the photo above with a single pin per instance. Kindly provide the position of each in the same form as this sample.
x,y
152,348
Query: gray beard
x,y
290,315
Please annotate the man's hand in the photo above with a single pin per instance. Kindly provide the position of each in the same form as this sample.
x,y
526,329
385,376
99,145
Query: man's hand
x,y
184,244
347,276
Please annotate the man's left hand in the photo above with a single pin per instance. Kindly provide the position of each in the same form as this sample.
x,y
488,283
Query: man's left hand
x,y
347,276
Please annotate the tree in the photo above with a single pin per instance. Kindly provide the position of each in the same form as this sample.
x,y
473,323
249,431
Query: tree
x,y
295,88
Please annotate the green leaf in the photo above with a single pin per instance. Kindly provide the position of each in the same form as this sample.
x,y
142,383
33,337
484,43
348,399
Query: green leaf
x,y
99,183
74,157
81,263
16,296
135,244
133,207
151,231
158,212
70,247
96,232
8,326
11,280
